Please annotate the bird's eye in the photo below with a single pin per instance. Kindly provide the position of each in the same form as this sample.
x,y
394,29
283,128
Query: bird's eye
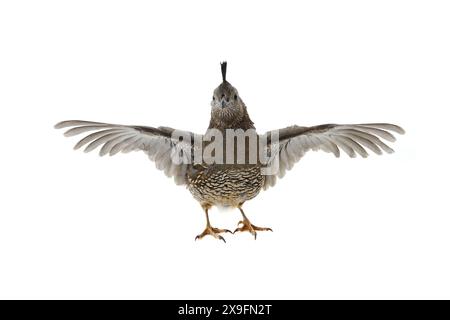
x,y
214,98
235,97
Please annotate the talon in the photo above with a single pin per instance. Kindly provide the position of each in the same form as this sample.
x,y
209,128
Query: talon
x,y
247,226
215,232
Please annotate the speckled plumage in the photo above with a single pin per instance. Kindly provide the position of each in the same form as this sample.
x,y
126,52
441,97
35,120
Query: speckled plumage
x,y
226,185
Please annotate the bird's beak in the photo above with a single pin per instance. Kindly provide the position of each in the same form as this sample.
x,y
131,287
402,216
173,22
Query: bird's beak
x,y
223,103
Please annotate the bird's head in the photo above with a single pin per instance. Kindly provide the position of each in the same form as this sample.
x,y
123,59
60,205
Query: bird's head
x,y
226,105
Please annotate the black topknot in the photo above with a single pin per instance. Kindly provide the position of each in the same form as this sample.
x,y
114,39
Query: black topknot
x,y
223,67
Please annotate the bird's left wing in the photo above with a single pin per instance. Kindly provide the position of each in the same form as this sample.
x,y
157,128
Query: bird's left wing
x,y
293,142
170,149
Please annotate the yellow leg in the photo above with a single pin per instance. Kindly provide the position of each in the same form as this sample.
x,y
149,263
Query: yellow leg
x,y
209,230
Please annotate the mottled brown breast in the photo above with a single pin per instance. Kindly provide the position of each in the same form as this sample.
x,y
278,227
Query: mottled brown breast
x,y
225,185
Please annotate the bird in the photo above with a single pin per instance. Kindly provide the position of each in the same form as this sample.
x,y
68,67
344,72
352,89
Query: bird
x,y
197,160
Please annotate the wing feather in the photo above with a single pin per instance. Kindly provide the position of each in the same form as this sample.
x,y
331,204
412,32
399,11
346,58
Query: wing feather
x,y
106,148
93,136
366,143
344,146
123,144
378,132
355,146
157,143
99,141
353,139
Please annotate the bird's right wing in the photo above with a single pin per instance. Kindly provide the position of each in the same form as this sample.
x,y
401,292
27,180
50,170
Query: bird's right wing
x,y
170,149
293,142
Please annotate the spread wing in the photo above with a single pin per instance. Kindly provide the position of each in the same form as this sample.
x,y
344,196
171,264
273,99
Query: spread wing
x,y
170,149
293,142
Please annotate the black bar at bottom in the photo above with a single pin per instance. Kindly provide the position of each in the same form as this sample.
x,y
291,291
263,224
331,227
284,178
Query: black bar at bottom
x,y
223,309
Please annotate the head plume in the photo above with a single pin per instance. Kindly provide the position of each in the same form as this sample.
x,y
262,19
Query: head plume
x,y
223,68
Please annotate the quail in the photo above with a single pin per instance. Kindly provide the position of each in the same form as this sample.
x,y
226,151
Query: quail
x,y
219,173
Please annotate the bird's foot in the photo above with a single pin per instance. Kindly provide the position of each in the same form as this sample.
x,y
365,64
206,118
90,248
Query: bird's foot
x,y
247,226
215,232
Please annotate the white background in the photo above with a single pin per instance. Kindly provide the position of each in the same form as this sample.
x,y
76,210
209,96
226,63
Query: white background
x,y
74,225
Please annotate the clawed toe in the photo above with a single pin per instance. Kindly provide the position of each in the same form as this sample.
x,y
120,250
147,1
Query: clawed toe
x,y
247,226
215,232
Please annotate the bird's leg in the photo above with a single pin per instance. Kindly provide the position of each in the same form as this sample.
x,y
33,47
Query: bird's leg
x,y
247,226
209,230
